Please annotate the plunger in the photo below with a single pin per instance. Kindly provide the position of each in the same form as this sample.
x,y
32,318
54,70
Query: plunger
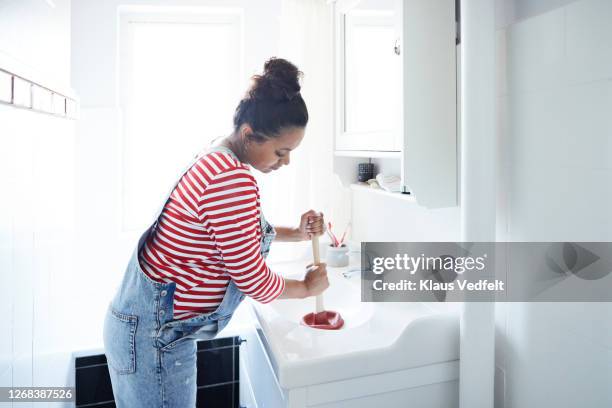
x,y
321,318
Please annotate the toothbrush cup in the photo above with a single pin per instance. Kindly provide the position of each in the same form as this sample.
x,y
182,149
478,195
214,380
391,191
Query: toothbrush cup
x,y
337,256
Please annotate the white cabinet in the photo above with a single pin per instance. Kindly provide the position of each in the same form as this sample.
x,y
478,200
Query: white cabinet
x,y
396,72
429,386
429,155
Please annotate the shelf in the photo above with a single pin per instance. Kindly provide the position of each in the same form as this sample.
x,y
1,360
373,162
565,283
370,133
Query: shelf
x,y
368,154
398,196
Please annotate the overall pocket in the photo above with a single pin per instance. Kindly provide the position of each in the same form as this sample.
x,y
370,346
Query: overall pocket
x,y
120,341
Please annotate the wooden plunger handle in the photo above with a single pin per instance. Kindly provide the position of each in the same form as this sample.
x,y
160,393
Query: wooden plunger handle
x,y
317,260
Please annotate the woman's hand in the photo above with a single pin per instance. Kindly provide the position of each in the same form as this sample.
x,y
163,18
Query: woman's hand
x,y
316,279
313,284
311,223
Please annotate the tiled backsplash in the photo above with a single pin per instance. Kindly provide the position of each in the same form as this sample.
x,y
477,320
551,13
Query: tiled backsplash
x,y
217,376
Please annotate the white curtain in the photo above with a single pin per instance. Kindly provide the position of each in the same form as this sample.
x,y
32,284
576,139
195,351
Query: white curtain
x,y
306,39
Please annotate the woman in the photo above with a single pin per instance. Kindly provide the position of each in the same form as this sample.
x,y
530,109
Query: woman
x,y
206,251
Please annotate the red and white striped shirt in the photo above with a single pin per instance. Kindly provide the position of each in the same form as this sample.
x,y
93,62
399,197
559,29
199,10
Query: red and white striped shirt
x,y
208,233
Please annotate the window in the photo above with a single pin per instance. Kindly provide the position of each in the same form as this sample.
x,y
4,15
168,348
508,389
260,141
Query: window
x,y
180,79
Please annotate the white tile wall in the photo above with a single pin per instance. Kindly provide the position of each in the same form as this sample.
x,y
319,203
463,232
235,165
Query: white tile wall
x,y
23,236
37,190
549,366
6,261
54,266
529,8
37,246
501,61
559,204
534,127
587,137
570,126
535,53
589,50
556,138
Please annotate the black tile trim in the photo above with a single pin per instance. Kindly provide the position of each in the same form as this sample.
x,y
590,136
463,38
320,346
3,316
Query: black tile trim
x,y
90,360
96,404
217,343
217,384
216,348
219,396
236,364
92,366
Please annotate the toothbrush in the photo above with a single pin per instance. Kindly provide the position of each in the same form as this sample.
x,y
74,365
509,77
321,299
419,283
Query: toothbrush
x,y
329,228
348,227
331,237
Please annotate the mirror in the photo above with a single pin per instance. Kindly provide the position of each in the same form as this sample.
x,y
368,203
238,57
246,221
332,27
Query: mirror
x,y
372,70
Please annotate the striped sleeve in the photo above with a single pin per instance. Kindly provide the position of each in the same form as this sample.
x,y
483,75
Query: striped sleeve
x,y
229,209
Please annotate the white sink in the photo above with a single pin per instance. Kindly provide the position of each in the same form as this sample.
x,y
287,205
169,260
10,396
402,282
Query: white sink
x,y
376,337
340,297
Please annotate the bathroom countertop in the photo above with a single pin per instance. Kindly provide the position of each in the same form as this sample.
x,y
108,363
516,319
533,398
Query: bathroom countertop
x,y
377,337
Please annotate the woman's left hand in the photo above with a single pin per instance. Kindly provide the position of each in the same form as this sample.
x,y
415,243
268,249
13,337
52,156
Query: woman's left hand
x,y
311,223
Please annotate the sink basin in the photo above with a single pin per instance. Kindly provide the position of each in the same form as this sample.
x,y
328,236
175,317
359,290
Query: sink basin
x,y
376,337
340,297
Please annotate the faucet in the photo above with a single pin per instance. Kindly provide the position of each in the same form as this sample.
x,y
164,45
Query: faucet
x,y
351,271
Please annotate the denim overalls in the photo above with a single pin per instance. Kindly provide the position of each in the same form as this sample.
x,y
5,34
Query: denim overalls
x,y
151,357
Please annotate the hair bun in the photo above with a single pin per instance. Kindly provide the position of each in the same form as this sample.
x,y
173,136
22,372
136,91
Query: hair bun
x,y
279,81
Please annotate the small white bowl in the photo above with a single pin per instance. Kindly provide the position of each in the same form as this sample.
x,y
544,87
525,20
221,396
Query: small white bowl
x,y
337,256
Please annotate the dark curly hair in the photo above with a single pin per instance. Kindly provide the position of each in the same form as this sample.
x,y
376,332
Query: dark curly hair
x,y
273,102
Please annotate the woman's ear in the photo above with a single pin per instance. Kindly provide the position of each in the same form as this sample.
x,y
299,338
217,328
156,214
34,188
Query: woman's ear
x,y
246,134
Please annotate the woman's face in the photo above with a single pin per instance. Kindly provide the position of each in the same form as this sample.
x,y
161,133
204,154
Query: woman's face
x,y
273,152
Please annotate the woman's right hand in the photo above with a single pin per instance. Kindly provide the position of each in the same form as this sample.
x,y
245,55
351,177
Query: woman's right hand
x,y
316,279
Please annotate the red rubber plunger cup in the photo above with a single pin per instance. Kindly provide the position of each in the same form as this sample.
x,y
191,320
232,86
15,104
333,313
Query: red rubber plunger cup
x,y
325,320
321,319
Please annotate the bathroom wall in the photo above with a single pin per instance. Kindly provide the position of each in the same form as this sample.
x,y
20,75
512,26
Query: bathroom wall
x,y
37,225
508,12
99,148
37,35
555,98
555,66
378,217
395,218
